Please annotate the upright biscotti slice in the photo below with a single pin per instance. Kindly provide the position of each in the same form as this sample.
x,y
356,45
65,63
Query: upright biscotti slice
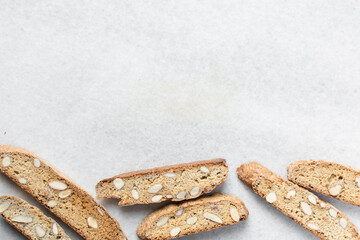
x,y
329,178
29,220
55,191
317,216
194,216
175,183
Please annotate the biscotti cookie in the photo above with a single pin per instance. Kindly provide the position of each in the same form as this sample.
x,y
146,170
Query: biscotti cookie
x,y
317,216
55,191
175,183
329,178
194,216
29,220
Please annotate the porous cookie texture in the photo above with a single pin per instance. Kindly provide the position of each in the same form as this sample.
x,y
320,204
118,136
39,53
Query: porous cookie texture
x,y
194,216
176,183
29,220
315,215
328,178
60,195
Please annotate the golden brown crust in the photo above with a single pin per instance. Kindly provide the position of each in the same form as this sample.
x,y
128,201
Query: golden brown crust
x,y
113,229
149,221
253,174
30,234
336,170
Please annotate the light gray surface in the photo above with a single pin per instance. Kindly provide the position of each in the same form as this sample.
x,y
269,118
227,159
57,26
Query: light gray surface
x,y
102,88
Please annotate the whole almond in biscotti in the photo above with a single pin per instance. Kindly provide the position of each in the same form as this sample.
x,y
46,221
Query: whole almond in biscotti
x,y
328,178
315,215
60,195
193,216
29,220
176,183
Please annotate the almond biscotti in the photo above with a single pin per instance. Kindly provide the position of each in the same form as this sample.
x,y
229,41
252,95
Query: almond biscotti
x,y
60,195
328,178
29,220
175,183
194,216
317,216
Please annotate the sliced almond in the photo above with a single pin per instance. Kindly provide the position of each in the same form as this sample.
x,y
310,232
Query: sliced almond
x,y
322,205
155,188
234,213
162,221
40,232
135,194
335,188
305,208
119,183
332,212
271,197
175,231
313,226
357,181
179,212
22,180
100,211
290,194
52,203
55,229
4,206
343,223
156,198
195,191
192,220
312,199
92,222
169,196
22,219
65,193
36,162
204,169
170,175
181,195
57,185
212,217
6,161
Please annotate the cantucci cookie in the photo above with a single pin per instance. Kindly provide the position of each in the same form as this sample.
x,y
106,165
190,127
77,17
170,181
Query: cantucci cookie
x,y
29,220
55,191
175,183
194,216
317,216
329,178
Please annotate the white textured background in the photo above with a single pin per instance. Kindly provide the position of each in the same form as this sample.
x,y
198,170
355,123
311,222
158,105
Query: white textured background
x,y
99,88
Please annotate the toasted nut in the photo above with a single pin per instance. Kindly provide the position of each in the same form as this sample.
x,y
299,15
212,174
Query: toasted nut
x,y
305,208
156,198
335,188
170,175
162,221
119,183
271,197
343,223
312,199
155,188
36,162
40,232
169,196
322,205
92,222
313,226
195,191
290,194
179,212
332,212
192,220
65,193
181,195
4,206
52,203
22,180
175,231
212,217
204,169
234,213
100,211
22,219
6,161
55,229
57,185
135,194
